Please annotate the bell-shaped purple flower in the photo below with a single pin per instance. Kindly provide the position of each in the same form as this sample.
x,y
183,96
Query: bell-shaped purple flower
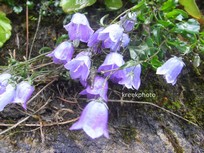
x,y
93,120
112,37
110,67
23,92
4,78
62,53
125,40
99,89
132,77
7,96
128,21
171,69
79,67
94,42
79,28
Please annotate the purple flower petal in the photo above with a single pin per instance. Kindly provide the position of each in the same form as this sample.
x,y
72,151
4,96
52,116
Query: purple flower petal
x,y
111,37
7,97
94,42
93,120
79,28
79,67
132,77
4,78
136,78
128,21
63,53
171,69
99,89
109,67
125,40
23,92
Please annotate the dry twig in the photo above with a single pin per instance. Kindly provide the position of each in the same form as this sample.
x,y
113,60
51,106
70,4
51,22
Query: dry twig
x,y
147,103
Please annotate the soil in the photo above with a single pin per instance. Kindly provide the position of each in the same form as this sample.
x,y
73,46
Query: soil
x,y
134,127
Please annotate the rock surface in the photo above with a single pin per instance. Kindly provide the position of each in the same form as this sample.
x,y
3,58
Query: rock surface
x,y
133,129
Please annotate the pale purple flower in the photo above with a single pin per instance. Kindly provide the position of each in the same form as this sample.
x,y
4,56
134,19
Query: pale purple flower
x,y
94,42
128,21
62,53
132,77
4,78
23,93
171,69
79,67
7,96
112,37
79,28
125,40
111,65
93,120
99,89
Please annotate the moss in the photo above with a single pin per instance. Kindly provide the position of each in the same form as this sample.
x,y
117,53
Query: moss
x,y
172,138
128,134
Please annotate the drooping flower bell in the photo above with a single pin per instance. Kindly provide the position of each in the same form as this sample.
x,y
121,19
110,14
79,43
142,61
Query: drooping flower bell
x,y
79,67
79,28
93,120
94,42
62,53
128,21
4,78
7,96
132,77
110,67
99,89
23,93
112,37
171,69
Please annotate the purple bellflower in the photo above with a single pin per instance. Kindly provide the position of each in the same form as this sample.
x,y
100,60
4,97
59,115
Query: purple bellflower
x,y
79,28
99,89
63,53
4,78
7,96
112,37
171,69
128,21
132,77
94,42
93,120
111,65
125,40
23,92
79,67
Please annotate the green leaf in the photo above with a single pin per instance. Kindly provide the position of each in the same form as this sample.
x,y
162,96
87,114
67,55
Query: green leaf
x,y
191,7
133,54
74,5
113,4
191,26
5,28
176,13
168,5
157,35
129,64
164,23
142,4
142,49
155,63
181,46
62,38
